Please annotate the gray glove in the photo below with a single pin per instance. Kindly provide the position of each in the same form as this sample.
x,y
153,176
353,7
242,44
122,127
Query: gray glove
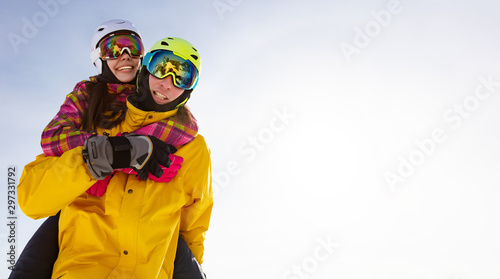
x,y
144,154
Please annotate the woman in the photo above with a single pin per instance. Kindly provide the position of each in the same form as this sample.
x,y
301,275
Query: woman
x,y
121,70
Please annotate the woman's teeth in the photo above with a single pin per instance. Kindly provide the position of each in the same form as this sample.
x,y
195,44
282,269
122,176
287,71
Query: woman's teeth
x,y
124,68
160,96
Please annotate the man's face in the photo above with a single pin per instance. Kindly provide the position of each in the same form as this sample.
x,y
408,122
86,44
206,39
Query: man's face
x,y
163,90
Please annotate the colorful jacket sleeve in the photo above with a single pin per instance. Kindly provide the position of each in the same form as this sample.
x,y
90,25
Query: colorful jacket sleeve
x,y
63,132
40,193
195,218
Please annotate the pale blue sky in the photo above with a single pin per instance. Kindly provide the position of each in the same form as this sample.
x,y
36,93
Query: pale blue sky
x,y
308,107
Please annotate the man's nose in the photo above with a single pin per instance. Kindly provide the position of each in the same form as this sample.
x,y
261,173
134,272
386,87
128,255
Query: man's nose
x,y
167,82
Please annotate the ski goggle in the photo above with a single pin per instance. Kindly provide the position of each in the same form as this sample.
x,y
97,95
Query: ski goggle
x,y
114,45
165,63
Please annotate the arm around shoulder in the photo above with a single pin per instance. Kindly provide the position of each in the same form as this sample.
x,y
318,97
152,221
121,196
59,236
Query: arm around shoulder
x,y
63,132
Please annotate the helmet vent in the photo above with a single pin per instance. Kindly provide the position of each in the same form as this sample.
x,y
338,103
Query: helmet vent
x,y
100,29
163,43
195,49
194,56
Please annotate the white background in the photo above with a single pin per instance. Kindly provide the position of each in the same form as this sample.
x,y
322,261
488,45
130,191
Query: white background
x,y
307,106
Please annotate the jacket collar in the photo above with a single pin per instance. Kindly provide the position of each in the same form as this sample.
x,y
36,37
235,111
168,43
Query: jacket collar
x,y
140,117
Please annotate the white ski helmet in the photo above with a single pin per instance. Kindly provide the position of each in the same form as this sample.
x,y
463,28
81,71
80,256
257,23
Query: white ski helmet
x,y
102,31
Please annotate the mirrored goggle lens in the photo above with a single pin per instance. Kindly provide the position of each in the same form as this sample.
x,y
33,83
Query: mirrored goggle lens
x,y
164,63
114,45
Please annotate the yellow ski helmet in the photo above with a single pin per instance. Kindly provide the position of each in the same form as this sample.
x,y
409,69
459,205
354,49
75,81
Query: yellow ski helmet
x,y
176,57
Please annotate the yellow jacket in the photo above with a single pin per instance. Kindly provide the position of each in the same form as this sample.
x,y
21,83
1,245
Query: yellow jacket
x,y
131,231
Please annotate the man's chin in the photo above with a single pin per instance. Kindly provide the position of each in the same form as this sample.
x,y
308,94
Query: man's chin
x,y
158,100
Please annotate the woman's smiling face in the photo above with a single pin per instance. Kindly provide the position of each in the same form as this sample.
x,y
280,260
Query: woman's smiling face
x,y
124,67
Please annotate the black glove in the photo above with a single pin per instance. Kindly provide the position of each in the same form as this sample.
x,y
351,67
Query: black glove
x,y
156,157
144,154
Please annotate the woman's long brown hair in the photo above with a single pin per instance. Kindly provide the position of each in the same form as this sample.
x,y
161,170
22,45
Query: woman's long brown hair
x,y
103,110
